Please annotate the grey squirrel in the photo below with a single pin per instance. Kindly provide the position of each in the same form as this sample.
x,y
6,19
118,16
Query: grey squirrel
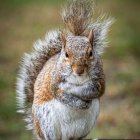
x,y
60,83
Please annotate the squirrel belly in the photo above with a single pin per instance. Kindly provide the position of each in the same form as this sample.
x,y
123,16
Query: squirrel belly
x,y
58,121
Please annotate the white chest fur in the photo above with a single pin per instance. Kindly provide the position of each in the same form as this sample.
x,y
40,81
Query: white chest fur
x,y
58,121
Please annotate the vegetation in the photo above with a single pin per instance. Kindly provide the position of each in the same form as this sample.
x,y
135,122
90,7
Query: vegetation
x,y
24,21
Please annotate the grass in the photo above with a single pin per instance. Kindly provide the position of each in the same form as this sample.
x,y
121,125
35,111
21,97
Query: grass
x,y
22,22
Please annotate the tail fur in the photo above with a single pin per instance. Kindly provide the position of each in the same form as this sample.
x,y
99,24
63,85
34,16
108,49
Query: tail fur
x,y
31,66
77,15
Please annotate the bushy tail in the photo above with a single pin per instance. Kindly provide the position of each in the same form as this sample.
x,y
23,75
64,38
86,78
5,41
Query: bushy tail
x,y
30,67
77,15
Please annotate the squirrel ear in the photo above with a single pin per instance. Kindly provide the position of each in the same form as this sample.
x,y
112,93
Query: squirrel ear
x,y
91,37
63,39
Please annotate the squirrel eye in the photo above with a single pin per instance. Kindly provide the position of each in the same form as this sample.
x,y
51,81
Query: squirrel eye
x,y
67,55
90,54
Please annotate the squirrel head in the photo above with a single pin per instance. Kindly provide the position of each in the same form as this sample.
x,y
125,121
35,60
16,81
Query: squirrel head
x,y
78,52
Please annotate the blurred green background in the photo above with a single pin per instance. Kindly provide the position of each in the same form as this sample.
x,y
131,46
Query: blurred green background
x,y
24,21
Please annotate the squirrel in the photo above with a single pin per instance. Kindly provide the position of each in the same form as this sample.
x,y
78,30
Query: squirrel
x,y
60,83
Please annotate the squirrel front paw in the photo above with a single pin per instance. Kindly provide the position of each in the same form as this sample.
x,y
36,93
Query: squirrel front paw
x,y
74,101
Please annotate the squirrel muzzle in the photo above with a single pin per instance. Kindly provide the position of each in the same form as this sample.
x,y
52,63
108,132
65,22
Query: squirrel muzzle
x,y
78,69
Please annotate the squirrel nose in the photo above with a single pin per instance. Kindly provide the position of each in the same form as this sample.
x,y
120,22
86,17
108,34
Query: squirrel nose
x,y
79,70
